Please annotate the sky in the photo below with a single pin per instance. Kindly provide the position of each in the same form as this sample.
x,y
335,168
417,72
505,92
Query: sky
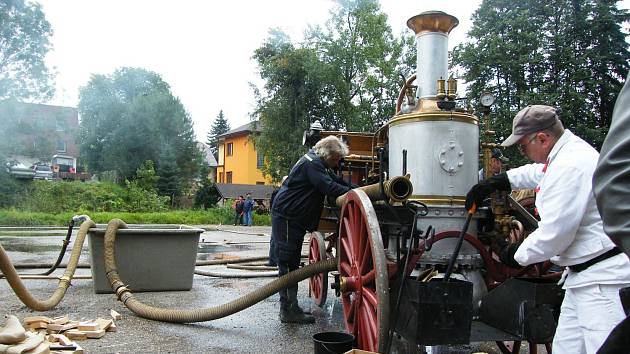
x,y
202,49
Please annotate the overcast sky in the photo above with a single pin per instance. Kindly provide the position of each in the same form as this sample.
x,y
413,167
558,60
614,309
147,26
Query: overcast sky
x,y
202,49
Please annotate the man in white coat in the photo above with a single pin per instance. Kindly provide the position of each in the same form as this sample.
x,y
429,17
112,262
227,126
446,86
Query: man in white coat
x,y
570,232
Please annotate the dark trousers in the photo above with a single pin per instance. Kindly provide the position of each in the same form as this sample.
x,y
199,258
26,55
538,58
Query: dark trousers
x,y
238,218
287,238
273,260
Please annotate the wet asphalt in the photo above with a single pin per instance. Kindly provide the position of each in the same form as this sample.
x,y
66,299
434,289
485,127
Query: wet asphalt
x,y
256,329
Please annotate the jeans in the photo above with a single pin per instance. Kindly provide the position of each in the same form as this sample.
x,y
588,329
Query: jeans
x,y
247,218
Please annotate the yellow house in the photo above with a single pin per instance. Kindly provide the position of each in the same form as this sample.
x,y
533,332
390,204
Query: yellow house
x,y
239,162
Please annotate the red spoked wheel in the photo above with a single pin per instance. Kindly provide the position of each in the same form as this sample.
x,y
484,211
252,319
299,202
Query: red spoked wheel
x,y
318,283
363,271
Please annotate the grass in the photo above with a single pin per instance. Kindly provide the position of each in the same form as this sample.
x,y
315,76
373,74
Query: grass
x,y
213,216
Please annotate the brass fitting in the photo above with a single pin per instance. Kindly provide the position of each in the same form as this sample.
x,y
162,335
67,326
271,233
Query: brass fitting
x,y
441,90
451,92
342,284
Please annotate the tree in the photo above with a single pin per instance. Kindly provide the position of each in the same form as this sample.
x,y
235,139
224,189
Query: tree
x,y
566,53
346,76
296,85
127,118
207,196
366,60
24,43
219,126
146,179
169,181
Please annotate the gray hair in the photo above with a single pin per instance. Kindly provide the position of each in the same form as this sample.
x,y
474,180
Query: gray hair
x,y
556,130
331,146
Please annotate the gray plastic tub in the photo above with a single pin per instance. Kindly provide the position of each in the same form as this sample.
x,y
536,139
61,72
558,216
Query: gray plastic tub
x,y
148,257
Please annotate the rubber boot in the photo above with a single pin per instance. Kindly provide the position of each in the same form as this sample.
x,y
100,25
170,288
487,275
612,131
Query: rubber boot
x,y
290,312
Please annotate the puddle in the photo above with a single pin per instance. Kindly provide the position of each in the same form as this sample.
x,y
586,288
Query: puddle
x,y
238,285
20,245
209,251
214,248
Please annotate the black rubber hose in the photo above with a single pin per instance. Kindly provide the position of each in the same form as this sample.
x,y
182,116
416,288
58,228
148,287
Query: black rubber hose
x,y
64,282
62,252
460,240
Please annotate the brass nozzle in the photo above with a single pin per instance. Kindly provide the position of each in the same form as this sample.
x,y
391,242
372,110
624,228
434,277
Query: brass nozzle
x,y
441,90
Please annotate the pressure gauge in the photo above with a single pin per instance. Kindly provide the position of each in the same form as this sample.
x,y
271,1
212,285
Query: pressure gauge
x,y
486,99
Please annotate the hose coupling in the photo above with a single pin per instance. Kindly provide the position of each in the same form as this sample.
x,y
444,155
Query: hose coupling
x,y
65,279
81,218
120,291
124,297
116,284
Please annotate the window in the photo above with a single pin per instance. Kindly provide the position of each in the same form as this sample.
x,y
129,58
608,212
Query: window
x,y
230,149
60,125
260,160
220,177
228,177
61,146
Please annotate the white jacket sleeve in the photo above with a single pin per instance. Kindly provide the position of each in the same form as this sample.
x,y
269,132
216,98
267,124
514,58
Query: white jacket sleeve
x,y
526,177
561,203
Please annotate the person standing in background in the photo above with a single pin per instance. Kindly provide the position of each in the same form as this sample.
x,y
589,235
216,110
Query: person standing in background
x,y
248,209
238,210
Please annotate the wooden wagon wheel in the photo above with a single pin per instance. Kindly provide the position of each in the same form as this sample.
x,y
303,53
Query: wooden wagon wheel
x,y
318,283
363,270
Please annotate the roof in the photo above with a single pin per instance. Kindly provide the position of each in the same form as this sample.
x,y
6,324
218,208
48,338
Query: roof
x,y
232,191
208,157
253,126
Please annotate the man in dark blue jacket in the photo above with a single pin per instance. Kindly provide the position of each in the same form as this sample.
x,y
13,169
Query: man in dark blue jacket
x,y
297,208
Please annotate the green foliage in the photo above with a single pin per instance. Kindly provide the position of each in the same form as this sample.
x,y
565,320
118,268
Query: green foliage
x,y
138,199
146,178
566,53
207,195
365,59
60,196
24,43
219,126
346,76
128,118
8,186
169,182
215,216
294,84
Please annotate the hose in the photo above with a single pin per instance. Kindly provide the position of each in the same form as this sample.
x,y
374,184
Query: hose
x,y
199,315
250,267
46,265
64,282
64,246
237,275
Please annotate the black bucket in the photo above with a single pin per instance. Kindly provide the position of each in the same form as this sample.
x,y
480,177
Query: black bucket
x,y
332,342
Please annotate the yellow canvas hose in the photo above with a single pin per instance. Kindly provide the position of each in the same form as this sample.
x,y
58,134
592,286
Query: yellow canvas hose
x,y
198,315
18,286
